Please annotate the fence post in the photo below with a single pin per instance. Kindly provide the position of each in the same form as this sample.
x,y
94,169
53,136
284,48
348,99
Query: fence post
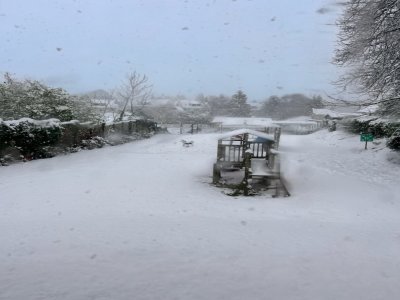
x,y
277,135
103,129
247,166
216,173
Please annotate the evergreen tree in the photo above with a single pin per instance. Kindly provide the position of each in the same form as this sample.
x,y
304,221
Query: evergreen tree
x,y
289,106
239,106
216,105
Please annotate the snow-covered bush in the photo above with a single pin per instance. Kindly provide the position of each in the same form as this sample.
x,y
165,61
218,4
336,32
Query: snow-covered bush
x,y
93,143
6,135
32,138
394,141
33,99
378,127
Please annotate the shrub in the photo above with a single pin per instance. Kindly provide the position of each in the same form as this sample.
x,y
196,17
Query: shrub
x,y
6,134
378,127
394,141
93,142
33,99
31,137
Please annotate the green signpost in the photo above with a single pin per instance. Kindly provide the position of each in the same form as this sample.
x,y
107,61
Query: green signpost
x,y
366,137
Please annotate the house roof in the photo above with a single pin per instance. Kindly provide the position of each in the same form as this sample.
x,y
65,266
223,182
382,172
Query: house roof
x,y
334,114
233,121
263,135
325,112
370,109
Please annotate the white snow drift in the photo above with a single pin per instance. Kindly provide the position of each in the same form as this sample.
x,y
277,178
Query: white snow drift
x,y
141,221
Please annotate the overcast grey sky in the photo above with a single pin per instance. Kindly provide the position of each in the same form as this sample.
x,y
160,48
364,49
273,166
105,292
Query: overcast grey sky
x,y
264,47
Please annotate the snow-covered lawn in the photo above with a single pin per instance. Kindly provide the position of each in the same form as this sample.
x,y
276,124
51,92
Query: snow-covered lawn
x,y
141,221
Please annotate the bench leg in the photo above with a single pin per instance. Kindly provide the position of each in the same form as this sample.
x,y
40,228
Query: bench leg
x,y
216,174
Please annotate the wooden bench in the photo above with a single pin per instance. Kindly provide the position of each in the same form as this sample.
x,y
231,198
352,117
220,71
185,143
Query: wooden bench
x,y
259,167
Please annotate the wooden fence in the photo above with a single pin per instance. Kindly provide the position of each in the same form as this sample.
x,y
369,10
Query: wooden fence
x,y
74,132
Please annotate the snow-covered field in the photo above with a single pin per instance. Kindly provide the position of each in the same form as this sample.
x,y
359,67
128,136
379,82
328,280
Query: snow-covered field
x,y
141,221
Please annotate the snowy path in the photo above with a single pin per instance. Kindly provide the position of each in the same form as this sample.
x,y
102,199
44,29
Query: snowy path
x,y
140,221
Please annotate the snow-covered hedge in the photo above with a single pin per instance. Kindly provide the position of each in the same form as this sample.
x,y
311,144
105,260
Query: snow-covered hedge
x,y
380,128
394,142
29,136
31,139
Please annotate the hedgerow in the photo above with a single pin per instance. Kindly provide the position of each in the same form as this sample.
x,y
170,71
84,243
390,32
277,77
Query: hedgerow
x,y
379,128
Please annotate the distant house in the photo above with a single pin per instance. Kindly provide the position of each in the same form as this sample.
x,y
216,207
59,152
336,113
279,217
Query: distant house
x,y
189,104
180,104
231,123
298,126
324,114
328,114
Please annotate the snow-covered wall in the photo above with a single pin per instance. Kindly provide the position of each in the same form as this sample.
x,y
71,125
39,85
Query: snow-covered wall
x,y
32,139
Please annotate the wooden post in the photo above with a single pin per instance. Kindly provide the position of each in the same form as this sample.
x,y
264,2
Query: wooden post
x,y
216,174
130,125
247,166
277,135
244,144
220,151
103,129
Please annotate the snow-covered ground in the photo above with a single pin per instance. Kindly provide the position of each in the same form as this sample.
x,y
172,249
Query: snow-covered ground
x,y
141,221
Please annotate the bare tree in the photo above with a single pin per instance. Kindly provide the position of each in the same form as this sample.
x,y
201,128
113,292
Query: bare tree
x,y
134,91
369,43
109,106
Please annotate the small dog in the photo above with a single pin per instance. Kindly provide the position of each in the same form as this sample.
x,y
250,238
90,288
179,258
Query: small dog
x,y
187,143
